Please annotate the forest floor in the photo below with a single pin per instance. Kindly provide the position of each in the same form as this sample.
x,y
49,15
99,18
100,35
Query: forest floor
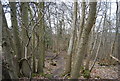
x,y
54,65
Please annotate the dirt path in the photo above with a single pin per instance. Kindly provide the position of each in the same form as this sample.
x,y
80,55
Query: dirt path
x,y
56,68
60,67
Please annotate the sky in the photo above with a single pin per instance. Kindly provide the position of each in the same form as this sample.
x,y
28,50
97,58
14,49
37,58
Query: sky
x,y
113,11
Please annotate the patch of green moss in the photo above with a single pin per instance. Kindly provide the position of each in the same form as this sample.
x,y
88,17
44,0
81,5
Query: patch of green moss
x,y
86,74
97,77
54,51
49,76
34,74
42,74
82,68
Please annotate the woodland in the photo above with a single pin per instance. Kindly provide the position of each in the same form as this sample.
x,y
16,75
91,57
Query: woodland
x,y
59,40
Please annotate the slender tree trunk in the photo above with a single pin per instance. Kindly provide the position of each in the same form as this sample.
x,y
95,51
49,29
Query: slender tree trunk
x,y
71,42
93,47
0,23
25,40
90,49
100,43
83,41
41,32
96,56
25,29
34,52
82,21
118,35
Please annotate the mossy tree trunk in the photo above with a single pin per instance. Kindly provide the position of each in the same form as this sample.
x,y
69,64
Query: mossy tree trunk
x,y
17,43
41,34
26,40
7,52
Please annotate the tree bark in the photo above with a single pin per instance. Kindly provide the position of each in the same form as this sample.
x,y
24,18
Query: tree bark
x,y
118,35
25,29
41,32
71,42
83,41
93,47
17,43
7,52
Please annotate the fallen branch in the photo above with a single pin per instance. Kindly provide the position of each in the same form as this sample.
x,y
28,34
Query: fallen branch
x,y
115,58
54,57
66,75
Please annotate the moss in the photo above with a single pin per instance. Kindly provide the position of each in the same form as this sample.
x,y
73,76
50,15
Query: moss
x,y
86,74
38,74
97,77
54,51
42,74
34,74
82,69
49,76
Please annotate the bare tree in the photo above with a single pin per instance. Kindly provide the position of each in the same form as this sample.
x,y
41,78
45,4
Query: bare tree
x,y
83,40
71,42
41,34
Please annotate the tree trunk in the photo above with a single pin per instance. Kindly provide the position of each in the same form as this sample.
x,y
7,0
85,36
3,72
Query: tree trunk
x,y
41,46
82,21
8,55
118,35
0,39
98,49
71,42
25,29
83,41
18,47
93,47
90,48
